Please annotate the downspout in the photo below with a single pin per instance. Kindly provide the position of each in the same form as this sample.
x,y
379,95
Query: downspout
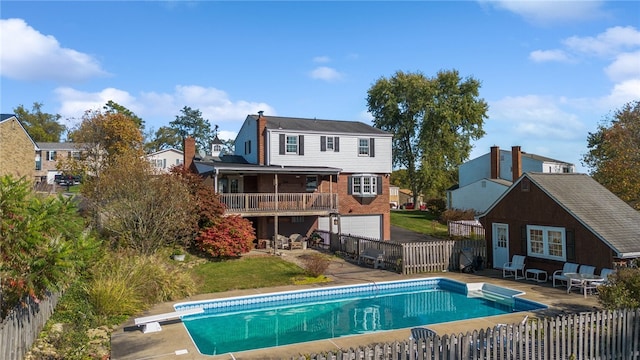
x,y
215,181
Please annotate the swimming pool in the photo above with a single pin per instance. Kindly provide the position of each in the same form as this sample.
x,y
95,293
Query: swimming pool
x,y
275,319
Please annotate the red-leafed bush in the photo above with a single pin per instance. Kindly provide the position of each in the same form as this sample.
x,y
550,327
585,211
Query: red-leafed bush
x,y
232,236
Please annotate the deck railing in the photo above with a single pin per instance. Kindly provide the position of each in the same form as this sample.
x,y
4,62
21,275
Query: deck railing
x,y
289,203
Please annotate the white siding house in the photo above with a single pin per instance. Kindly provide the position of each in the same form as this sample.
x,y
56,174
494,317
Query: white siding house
x,y
163,160
482,180
346,161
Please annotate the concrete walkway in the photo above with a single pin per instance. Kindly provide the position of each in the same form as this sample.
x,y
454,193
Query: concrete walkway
x,y
128,342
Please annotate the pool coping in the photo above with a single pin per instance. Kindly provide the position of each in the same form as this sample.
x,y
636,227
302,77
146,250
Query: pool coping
x,y
129,343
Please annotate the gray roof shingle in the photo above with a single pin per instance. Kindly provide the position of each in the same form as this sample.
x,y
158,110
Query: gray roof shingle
x,y
606,215
322,126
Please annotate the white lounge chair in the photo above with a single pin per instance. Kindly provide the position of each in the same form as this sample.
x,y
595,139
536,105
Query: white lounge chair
x,y
604,274
513,267
566,268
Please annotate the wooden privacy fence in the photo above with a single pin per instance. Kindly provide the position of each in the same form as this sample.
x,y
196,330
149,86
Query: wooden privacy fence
x,y
605,335
469,229
413,257
20,329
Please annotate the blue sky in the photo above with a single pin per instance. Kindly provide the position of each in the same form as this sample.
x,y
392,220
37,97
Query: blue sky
x,y
551,71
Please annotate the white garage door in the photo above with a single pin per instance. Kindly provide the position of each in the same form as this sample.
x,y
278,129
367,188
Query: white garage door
x,y
369,226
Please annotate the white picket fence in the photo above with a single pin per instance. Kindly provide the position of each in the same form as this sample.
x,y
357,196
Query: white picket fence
x,y
605,335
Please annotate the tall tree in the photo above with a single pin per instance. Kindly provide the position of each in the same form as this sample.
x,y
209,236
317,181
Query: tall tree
x,y
614,154
112,107
191,123
42,127
102,139
164,138
433,121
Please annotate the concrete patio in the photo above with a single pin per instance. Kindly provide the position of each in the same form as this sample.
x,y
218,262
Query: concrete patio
x,y
128,342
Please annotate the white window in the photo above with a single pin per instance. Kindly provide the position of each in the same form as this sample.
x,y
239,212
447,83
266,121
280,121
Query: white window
x,y
75,155
363,147
51,156
329,142
546,242
364,185
292,144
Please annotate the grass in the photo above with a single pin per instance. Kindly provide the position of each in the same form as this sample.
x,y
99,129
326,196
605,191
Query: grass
x,y
246,273
420,221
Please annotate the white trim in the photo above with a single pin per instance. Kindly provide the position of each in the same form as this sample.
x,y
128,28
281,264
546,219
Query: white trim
x,y
545,242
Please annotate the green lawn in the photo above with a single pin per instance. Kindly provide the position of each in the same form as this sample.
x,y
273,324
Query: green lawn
x,y
421,221
246,273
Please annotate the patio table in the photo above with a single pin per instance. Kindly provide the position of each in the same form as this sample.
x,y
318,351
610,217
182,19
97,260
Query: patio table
x,y
582,281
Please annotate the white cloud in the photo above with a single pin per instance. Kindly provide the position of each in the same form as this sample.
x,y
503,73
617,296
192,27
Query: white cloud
x,y
622,93
74,103
549,55
227,135
29,55
613,41
325,73
158,109
537,117
321,59
625,66
545,12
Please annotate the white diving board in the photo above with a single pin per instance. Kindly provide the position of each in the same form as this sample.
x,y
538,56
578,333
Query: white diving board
x,y
152,323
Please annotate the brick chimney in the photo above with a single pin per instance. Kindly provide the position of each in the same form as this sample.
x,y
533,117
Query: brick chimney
x,y
189,152
495,162
516,162
261,126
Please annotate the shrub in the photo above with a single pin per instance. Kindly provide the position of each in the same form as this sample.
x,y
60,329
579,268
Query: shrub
x,y
315,264
455,215
436,206
125,284
622,291
231,237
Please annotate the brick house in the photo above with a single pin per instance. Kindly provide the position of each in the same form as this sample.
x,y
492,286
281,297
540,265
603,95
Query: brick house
x,y
295,175
16,148
557,218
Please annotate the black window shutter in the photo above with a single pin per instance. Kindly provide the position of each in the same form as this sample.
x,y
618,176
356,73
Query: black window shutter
x,y
349,185
323,143
379,185
282,144
372,147
336,144
523,239
571,245
301,145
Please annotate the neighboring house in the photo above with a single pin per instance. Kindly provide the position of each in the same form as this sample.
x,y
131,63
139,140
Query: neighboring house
x,y
558,218
16,148
406,196
295,175
394,197
482,180
48,154
163,160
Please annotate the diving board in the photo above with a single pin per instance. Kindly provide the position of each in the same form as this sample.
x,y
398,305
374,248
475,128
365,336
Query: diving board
x,y
152,323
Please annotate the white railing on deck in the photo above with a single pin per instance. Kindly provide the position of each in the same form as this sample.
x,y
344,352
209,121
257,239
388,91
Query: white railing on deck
x,y
281,202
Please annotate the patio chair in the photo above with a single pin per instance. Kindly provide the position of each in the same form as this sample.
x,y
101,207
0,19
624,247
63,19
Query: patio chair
x,y
422,333
566,268
604,274
295,241
512,267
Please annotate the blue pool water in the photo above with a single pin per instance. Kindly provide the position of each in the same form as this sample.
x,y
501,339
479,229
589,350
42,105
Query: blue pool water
x,y
266,320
